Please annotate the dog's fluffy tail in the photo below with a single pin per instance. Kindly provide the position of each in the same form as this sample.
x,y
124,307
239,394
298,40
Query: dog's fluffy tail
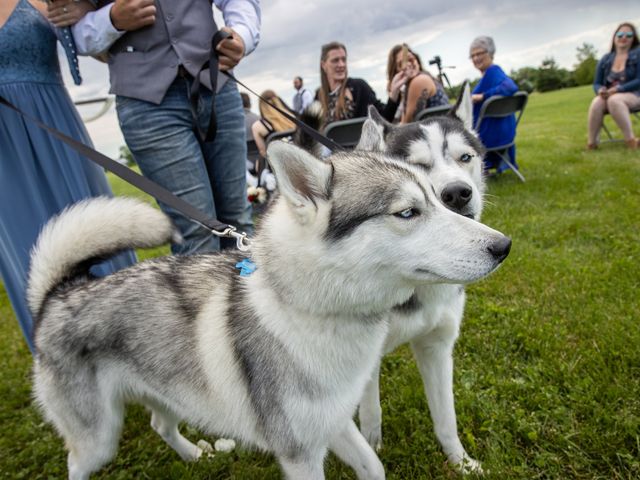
x,y
90,229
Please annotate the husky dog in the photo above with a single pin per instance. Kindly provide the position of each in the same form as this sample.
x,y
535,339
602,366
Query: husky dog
x,y
448,150
278,358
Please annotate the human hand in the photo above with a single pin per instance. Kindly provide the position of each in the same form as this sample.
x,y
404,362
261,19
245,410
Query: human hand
x,y
477,97
398,80
63,13
133,14
602,92
612,91
230,50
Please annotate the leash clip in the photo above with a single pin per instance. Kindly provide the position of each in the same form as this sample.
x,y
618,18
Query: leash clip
x,y
242,241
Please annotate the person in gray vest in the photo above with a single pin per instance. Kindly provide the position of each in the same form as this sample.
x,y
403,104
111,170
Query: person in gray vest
x,y
303,97
155,49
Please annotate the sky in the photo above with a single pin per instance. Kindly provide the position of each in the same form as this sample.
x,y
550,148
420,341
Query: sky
x,y
525,32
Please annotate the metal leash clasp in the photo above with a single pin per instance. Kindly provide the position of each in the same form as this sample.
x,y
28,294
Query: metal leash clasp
x,y
242,241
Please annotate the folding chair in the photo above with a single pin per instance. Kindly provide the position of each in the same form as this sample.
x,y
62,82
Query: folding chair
x,y
283,135
635,113
499,107
433,112
345,133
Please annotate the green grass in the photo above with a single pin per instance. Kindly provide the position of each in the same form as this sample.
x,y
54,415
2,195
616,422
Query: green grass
x,y
547,377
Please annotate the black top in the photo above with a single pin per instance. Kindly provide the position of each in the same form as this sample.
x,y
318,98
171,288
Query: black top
x,y
363,96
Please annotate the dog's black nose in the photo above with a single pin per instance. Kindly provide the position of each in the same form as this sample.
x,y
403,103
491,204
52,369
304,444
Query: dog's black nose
x,y
456,195
500,248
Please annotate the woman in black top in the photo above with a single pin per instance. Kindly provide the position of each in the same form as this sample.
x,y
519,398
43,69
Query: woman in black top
x,y
343,97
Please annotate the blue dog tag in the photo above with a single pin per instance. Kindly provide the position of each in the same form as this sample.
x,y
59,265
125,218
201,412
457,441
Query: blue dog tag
x,y
246,267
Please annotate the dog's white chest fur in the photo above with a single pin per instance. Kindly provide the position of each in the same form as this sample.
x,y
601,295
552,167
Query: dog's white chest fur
x,y
440,306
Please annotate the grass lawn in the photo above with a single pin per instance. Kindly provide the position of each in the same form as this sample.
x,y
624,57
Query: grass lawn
x,y
547,378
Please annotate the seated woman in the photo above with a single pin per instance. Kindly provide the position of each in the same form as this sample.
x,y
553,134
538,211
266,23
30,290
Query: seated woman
x,y
421,90
494,131
617,86
271,120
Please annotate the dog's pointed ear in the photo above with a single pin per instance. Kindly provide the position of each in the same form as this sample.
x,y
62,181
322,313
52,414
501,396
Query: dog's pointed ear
x,y
302,179
463,108
374,132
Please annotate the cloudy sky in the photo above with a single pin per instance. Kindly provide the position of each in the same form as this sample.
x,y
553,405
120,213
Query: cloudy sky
x,y
525,32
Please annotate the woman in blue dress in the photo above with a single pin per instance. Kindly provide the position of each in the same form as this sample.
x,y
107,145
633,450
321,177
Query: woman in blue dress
x,y
39,176
494,131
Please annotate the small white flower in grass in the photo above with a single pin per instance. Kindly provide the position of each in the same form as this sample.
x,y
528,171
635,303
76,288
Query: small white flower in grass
x,y
225,445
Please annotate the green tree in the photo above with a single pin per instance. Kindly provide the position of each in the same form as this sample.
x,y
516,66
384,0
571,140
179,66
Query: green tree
x,y
585,70
525,77
552,77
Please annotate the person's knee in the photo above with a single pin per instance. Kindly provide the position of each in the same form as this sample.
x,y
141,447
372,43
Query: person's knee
x,y
598,104
615,103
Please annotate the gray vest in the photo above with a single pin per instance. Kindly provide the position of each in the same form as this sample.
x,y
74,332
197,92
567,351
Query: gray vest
x,y
144,63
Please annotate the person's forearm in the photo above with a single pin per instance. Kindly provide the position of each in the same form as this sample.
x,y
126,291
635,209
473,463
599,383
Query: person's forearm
x,y
94,34
632,86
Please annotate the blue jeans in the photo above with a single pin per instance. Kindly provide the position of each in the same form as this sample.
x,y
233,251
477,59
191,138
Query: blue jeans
x,y
210,177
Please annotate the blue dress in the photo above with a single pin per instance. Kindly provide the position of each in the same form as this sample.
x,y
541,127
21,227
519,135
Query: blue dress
x,y
39,175
496,131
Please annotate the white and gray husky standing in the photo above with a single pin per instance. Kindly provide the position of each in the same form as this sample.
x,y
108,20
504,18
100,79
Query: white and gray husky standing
x,y
278,359
451,154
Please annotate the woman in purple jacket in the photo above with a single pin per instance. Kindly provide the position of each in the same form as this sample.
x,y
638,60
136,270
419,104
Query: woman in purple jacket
x,y
493,131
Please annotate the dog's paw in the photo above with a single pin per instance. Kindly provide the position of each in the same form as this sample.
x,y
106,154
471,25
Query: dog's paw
x,y
373,436
204,449
467,465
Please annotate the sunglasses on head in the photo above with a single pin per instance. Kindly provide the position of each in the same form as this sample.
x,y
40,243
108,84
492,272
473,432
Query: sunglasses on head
x,y
624,34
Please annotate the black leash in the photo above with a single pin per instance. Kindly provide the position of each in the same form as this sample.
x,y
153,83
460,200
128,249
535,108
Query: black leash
x,y
316,135
194,94
160,193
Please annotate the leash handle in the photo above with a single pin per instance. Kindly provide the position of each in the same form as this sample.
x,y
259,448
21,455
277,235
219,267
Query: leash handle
x,y
194,93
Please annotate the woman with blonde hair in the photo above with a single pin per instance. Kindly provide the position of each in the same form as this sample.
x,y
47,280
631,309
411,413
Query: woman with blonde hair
x,y
421,90
271,120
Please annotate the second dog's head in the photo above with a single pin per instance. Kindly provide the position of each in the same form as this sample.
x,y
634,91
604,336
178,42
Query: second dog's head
x,y
445,147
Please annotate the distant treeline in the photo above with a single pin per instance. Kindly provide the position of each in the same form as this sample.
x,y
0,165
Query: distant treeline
x,y
549,76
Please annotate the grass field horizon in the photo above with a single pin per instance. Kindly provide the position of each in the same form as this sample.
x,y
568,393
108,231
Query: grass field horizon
x,y
547,367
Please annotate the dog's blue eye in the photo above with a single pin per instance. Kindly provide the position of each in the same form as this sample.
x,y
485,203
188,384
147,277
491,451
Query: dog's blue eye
x,y
466,158
407,213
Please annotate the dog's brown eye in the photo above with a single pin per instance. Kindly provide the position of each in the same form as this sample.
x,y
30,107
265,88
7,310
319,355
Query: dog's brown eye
x,y
407,213
466,158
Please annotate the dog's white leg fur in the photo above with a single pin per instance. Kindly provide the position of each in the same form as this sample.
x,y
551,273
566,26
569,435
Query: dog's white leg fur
x,y
352,448
91,429
370,411
309,468
433,353
165,424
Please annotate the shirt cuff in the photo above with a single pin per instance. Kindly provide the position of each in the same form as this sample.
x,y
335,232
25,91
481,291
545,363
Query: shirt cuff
x,y
94,33
247,38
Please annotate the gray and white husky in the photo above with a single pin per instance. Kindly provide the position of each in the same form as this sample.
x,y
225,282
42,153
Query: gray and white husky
x,y
278,358
451,154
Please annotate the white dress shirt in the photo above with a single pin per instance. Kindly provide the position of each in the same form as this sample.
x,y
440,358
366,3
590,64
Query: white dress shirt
x,y
94,33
